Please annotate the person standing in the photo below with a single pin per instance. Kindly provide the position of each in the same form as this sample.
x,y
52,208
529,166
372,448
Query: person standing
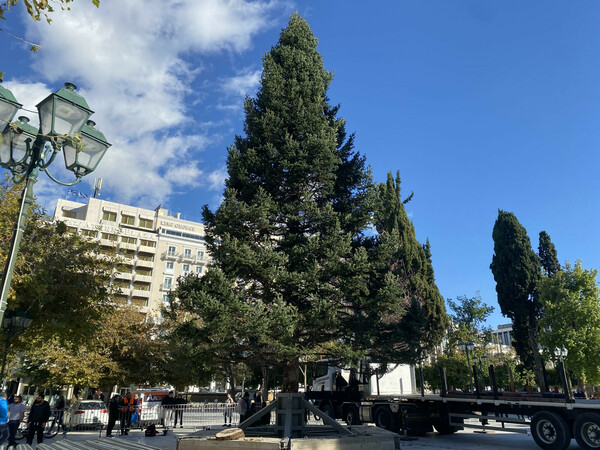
x,y
114,405
3,418
126,412
244,406
179,407
228,411
16,413
60,412
168,404
38,416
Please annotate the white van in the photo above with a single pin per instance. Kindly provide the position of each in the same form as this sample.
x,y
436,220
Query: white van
x,y
149,404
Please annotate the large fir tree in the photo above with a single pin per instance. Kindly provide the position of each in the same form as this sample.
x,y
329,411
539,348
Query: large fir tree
x,y
548,255
516,269
286,264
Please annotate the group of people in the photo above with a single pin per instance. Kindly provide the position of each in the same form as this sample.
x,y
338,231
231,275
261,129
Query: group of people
x,y
173,410
124,408
244,406
12,413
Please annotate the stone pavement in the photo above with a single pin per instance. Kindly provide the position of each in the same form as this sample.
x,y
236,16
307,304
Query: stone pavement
x,y
463,440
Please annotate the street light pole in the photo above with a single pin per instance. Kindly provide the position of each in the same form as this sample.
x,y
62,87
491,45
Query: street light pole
x,y
12,323
25,150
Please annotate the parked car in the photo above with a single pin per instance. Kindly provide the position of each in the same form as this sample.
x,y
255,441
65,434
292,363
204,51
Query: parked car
x,y
86,413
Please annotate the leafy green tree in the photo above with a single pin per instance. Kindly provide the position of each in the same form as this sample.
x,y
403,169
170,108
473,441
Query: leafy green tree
x,y
283,240
468,318
516,269
571,319
548,255
404,315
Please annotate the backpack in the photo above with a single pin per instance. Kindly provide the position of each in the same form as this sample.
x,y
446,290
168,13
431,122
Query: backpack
x,y
151,431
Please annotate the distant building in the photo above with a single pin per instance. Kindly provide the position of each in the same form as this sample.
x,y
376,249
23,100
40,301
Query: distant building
x,y
156,248
502,336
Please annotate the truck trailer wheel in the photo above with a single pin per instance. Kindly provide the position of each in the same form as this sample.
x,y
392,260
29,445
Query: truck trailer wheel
x,y
587,430
384,418
550,431
351,416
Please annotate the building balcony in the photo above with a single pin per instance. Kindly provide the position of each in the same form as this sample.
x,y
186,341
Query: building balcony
x,y
186,258
170,255
143,278
108,243
144,249
124,275
124,291
140,303
140,293
166,286
142,263
125,245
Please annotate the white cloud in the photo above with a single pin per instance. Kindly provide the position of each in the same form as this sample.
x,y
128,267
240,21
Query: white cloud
x,y
133,62
217,179
243,84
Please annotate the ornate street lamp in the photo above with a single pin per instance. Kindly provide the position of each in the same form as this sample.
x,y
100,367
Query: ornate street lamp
x,y
25,150
468,347
11,324
561,354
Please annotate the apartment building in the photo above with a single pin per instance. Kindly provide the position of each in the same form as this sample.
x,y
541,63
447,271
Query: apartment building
x,y
156,247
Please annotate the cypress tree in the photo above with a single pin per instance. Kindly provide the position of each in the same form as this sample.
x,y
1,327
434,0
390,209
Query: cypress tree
x,y
408,311
548,255
288,266
516,269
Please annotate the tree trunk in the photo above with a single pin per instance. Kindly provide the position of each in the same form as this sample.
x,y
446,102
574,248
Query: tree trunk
x,y
265,383
537,358
291,370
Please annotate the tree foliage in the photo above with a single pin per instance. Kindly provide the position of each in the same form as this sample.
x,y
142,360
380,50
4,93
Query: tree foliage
x,y
468,319
571,319
516,269
548,255
405,315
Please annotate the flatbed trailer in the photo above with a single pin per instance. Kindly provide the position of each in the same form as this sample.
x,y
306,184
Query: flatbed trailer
x,y
552,419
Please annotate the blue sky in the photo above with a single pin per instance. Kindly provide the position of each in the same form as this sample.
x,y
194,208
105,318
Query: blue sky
x,y
481,105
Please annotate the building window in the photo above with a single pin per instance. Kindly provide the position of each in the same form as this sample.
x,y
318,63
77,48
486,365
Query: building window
x,y
90,233
128,240
168,283
143,271
141,287
187,253
198,270
169,267
186,268
147,243
143,257
127,220
200,255
109,216
146,223
109,237
69,214
172,251
166,299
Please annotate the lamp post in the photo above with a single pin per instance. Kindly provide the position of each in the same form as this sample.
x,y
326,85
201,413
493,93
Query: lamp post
x,y
468,347
25,150
561,354
11,324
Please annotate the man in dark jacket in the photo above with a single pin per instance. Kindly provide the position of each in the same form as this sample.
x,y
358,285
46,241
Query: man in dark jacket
x,y
114,407
38,416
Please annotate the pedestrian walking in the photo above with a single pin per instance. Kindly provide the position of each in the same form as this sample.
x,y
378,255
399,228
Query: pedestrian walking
x,y
114,407
228,411
16,413
37,419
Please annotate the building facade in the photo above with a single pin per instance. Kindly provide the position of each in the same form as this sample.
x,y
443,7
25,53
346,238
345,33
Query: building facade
x,y
502,337
155,247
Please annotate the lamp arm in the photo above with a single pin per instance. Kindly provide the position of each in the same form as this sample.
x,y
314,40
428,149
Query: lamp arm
x,y
45,169
46,157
